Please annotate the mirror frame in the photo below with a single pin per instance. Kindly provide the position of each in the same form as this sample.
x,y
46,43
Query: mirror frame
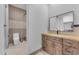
x,y
72,26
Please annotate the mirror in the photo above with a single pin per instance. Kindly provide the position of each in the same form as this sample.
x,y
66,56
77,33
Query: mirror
x,y
63,22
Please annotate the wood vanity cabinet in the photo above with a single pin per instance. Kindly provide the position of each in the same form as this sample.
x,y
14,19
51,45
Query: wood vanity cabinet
x,y
60,46
52,45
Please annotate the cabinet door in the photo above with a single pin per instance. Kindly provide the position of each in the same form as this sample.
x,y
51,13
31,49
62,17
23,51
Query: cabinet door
x,y
67,50
70,50
67,47
70,47
58,46
51,47
75,48
58,49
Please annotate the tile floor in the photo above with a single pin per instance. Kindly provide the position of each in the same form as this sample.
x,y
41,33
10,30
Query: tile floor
x,y
21,50
17,50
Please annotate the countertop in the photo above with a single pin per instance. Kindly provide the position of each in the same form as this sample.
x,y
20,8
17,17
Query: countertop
x,y
71,37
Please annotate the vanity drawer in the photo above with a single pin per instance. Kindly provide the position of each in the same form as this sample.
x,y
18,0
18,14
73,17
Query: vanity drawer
x,y
59,40
68,42
67,50
50,47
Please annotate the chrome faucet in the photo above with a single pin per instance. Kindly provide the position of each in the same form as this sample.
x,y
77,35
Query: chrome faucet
x,y
57,31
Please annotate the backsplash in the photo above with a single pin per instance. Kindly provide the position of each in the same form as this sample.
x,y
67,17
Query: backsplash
x,y
75,32
76,29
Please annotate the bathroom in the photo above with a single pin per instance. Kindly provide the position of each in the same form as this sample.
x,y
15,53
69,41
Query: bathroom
x,y
41,20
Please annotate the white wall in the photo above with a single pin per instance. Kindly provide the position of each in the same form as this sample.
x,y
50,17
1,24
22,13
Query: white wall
x,y
56,9
37,23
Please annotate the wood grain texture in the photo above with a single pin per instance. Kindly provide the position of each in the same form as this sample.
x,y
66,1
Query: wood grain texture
x,y
52,45
58,45
69,37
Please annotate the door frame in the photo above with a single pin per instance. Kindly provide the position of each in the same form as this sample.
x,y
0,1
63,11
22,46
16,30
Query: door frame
x,y
7,25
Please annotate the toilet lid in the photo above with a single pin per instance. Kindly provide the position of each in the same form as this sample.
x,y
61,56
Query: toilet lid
x,y
15,35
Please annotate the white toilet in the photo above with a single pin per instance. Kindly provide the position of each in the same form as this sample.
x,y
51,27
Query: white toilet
x,y
16,39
